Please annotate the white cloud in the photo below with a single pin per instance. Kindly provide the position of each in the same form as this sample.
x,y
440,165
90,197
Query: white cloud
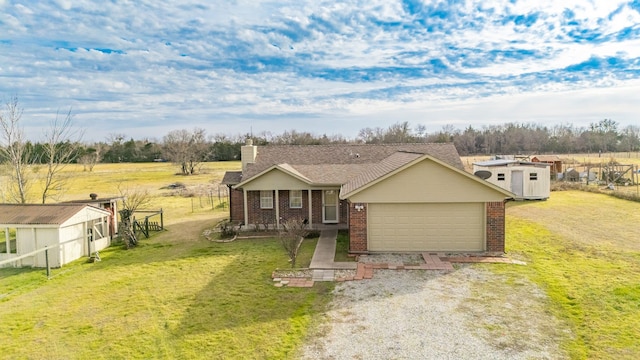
x,y
233,63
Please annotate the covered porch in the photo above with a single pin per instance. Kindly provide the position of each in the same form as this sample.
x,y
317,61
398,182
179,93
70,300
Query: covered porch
x,y
320,208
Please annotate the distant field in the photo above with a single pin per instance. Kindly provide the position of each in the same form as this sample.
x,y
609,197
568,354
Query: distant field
x,y
106,179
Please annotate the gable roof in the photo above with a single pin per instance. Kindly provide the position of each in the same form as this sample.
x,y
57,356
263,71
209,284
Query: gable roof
x,y
336,163
40,214
398,162
377,171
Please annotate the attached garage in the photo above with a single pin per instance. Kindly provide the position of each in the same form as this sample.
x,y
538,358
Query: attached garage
x,y
426,227
414,202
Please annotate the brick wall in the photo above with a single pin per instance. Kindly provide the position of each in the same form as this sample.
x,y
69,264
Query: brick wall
x,y
316,203
495,227
357,229
236,204
258,216
288,213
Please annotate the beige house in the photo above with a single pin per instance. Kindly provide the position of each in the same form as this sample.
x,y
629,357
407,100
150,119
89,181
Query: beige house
x,y
68,231
391,197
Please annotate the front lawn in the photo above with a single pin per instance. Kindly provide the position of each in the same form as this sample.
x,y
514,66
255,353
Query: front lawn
x,y
172,297
582,249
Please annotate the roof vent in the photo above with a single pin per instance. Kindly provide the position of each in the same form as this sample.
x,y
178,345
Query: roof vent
x,y
93,196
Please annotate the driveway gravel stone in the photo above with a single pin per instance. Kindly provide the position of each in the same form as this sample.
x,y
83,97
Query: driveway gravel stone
x,y
417,314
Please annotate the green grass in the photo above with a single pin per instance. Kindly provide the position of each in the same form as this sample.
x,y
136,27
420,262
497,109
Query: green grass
x,y
342,247
171,297
591,277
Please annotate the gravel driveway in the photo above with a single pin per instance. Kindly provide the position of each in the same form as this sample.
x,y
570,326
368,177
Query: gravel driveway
x,y
469,313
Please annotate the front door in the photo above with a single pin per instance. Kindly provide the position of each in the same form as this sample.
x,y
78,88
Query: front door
x,y
330,205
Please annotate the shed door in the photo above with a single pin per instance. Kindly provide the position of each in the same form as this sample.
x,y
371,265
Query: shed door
x,y
426,227
517,183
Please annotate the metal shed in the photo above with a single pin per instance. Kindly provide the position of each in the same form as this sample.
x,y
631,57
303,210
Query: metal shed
x,y
527,180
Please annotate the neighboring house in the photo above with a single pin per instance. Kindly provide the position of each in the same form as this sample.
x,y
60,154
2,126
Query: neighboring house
x,y
69,231
108,203
526,180
392,197
553,160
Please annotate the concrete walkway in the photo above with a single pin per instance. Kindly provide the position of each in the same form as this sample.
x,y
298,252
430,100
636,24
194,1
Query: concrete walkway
x,y
322,262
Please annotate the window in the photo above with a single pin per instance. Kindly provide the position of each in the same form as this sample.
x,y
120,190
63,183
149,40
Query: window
x,y
500,176
295,199
8,241
266,199
533,176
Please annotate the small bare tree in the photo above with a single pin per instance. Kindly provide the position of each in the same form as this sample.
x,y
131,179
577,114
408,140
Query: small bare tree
x,y
60,148
291,236
90,158
15,152
132,201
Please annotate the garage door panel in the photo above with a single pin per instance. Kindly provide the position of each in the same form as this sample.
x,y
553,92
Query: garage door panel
x,y
426,227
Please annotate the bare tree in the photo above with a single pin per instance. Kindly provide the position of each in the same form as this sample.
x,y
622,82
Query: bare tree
x,y
133,199
60,148
186,149
291,236
90,158
15,152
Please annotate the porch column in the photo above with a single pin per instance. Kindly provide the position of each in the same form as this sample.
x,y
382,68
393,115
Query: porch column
x,y
310,209
277,199
246,208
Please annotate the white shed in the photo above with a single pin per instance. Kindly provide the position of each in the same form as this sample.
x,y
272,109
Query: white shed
x,y
68,231
527,180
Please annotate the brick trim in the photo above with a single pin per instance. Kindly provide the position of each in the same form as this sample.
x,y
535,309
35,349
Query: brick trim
x,y
495,226
358,228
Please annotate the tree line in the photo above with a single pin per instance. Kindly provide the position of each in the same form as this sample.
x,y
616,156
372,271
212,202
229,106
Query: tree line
x,y
188,149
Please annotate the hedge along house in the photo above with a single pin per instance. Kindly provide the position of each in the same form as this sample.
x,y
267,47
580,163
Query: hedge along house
x,y
526,180
391,197
68,231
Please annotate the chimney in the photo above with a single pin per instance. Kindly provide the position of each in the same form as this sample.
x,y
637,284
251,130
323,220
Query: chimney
x,y
93,196
248,154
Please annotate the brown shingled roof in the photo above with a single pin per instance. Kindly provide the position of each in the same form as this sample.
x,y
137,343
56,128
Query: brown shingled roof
x,y
384,167
232,177
299,156
38,214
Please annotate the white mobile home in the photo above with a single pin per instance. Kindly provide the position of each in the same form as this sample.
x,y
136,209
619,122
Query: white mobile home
x,y
527,180
68,231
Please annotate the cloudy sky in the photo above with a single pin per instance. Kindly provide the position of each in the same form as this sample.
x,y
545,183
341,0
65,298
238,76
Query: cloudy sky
x,y
146,67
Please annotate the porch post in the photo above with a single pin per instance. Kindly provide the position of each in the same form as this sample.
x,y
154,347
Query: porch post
x,y
310,209
277,199
246,208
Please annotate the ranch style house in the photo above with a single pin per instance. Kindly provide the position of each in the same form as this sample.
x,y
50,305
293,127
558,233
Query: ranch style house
x,y
391,197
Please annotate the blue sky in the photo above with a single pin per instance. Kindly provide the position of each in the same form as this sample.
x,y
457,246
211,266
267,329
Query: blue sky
x,y
144,68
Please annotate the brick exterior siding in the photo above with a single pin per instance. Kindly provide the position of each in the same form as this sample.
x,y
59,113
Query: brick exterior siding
x,y
357,229
495,227
258,216
288,213
236,205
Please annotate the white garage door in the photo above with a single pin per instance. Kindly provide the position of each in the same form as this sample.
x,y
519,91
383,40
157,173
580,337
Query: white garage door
x,y
426,227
